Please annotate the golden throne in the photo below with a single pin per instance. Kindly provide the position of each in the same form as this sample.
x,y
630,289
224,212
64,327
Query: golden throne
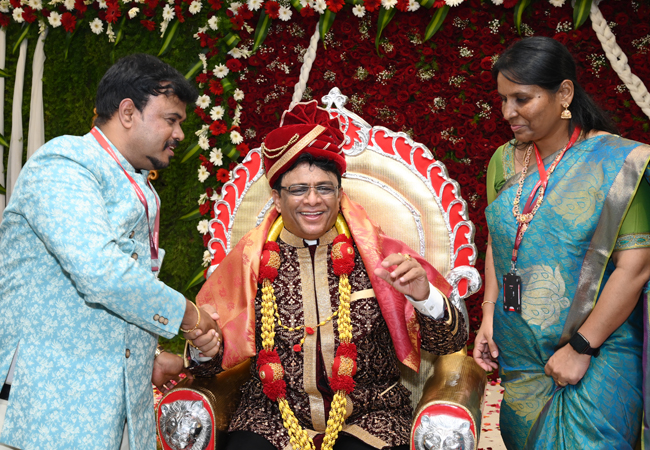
x,y
409,194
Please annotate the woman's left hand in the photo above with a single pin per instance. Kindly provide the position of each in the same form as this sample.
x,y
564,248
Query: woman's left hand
x,y
408,277
567,366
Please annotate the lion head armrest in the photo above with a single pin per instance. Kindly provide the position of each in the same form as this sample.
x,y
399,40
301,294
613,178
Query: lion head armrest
x,y
449,413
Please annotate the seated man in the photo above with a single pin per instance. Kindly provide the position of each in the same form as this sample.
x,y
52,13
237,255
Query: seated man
x,y
317,295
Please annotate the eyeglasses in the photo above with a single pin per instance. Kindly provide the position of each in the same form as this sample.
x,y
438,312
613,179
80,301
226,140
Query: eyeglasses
x,y
299,190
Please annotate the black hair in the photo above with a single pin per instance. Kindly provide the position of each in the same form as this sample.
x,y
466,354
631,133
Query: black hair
x,y
545,62
324,164
138,77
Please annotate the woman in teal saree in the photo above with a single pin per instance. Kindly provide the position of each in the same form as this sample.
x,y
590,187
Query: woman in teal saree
x,y
571,359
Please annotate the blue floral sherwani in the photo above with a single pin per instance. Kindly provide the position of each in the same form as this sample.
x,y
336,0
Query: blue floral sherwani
x,y
78,296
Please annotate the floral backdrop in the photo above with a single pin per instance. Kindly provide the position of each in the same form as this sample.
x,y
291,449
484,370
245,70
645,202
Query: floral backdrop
x,y
417,66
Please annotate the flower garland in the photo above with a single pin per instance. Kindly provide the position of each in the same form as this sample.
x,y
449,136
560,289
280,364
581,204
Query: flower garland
x,y
344,368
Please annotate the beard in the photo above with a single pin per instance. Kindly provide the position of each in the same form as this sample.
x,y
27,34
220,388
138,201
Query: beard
x,y
158,164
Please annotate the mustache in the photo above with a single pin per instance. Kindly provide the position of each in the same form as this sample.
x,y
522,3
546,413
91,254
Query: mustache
x,y
172,143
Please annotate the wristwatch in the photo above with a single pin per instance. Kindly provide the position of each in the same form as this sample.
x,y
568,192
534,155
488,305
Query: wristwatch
x,y
581,345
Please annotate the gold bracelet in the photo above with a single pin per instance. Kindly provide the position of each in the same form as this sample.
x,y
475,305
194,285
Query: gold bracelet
x,y
488,301
159,350
198,311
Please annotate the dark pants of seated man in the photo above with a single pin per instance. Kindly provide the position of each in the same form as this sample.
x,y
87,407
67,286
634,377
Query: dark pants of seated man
x,y
238,440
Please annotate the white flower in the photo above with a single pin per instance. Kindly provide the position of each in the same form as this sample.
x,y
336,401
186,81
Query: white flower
x,y
133,12
203,174
18,15
168,13
36,4
413,6
102,4
69,4
195,7
110,33
321,5
203,198
217,113
4,6
234,7
203,131
203,227
304,3
215,196
453,2
359,10
163,27
236,53
235,137
202,56
254,5
216,157
238,95
284,13
96,26
204,143
203,101
388,4
54,19
207,258
556,3
220,71
213,23
497,2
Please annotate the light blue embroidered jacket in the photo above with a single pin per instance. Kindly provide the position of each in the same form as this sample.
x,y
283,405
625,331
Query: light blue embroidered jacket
x,y
79,302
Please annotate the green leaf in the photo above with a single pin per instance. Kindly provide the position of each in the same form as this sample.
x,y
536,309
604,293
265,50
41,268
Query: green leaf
x,y
170,33
193,215
385,16
227,85
196,279
325,23
68,38
581,11
4,73
436,22
21,38
195,68
231,40
120,32
3,191
3,141
262,30
519,11
428,4
296,4
230,151
193,150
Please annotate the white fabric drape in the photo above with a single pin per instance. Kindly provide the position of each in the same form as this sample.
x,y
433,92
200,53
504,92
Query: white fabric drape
x,y
36,134
3,53
15,160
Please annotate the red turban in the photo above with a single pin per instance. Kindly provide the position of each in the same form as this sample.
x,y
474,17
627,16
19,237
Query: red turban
x,y
304,129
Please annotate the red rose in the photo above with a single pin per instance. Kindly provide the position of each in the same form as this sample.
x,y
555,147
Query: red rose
x,y
272,9
148,24
307,11
243,149
207,236
234,64
509,3
69,22
205,208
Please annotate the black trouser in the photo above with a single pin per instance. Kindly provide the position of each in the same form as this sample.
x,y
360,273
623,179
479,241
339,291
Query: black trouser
x,y
238,440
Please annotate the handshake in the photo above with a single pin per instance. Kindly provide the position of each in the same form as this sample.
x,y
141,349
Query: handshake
x,y
200,329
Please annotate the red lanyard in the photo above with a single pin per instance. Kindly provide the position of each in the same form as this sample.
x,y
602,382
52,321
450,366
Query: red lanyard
x,y
153,237
543,181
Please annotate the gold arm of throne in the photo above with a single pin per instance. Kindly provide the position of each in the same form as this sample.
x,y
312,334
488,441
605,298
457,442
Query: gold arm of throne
x,y
409,194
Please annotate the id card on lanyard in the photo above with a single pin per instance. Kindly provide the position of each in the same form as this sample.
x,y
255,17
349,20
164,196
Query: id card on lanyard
x,y
512,281
153,237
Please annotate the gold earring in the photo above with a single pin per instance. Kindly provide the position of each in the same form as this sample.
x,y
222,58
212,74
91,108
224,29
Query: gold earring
x,y
566,114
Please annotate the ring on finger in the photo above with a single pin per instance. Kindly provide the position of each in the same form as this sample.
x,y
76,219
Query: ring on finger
x,y
407,257
192,344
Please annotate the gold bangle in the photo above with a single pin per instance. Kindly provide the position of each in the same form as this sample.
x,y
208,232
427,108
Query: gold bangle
x,y
159,350
488,301
198,312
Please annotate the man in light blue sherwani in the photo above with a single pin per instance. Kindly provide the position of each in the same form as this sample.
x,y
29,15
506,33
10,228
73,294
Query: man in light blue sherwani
x,y
81,307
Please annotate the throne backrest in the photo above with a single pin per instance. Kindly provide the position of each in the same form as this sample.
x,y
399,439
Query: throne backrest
x,y
401,186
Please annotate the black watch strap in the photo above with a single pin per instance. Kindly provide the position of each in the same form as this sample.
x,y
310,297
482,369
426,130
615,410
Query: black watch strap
x,y
581,345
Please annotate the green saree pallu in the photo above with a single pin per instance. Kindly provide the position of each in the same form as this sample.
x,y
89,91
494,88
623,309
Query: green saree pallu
x,y
564,263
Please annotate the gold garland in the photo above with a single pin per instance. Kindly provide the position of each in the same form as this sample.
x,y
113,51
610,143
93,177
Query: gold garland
x,y
298,436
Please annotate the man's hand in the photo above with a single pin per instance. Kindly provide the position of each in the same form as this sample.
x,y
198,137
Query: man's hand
x,y
166,367
567,366
207,337
407,275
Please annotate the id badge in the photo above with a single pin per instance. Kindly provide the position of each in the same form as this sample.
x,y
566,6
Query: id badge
x,y
512,292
